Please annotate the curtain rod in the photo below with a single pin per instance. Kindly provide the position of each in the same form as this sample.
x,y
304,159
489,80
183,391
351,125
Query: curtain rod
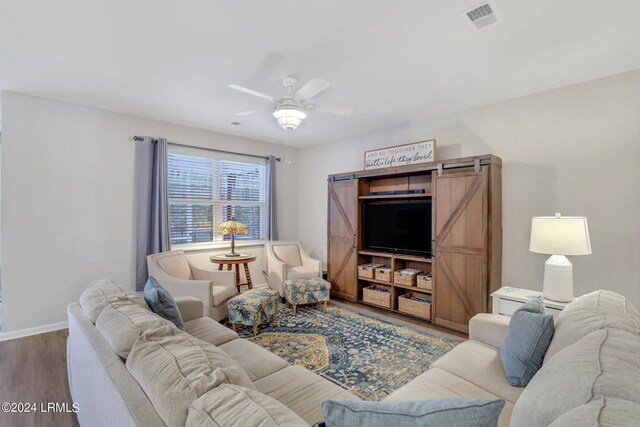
x,y
140,138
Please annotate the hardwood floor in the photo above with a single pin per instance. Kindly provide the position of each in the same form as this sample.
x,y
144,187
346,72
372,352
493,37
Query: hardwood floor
x,y
34,370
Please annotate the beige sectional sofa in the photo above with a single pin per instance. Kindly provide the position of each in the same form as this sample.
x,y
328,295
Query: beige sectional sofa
x,y
592,367
109,395
592,370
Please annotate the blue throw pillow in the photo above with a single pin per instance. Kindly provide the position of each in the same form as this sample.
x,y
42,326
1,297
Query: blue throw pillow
x,y
434,412
162,303
523,349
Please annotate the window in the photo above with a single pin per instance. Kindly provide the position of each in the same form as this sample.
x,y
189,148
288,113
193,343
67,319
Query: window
x,y
207,188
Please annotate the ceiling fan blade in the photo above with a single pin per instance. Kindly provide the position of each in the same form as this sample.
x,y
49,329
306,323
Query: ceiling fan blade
x,y
312,88
247,113
252,92
330,109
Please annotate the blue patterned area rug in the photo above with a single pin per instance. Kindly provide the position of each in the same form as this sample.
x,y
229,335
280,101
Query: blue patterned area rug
x,y
367,356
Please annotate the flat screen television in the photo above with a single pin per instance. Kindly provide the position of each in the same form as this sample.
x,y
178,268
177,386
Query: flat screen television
x,y
402,226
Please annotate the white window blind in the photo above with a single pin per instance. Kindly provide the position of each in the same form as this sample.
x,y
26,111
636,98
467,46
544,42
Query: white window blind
x,y
207,188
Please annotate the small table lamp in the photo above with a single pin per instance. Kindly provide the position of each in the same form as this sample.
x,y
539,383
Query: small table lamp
x,y
559,236
233,227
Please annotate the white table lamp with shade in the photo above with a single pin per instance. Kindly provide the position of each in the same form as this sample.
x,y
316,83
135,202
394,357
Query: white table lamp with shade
x,y
559,236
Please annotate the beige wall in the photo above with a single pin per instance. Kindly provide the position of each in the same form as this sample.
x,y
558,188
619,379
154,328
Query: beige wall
x,y
67,201
67,187
574,150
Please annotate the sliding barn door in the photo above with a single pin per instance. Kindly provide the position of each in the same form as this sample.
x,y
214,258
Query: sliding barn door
x,y
342,256
461,231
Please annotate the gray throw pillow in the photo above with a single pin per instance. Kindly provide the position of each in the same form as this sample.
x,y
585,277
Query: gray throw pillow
x,y
523,349
434,412
162,303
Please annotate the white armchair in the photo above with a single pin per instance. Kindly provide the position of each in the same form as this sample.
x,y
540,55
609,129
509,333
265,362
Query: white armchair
x,y
173,272
286,260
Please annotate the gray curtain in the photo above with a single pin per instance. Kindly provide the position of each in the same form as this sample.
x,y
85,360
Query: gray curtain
x,y
272,219
271,232
152,203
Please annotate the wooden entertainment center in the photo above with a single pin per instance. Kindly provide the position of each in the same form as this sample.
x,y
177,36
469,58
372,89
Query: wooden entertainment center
x,y
466,261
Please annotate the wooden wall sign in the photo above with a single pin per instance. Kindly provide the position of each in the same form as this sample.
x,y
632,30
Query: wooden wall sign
x,y
401,155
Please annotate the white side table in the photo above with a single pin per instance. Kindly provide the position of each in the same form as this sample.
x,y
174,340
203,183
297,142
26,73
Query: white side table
x,y
507,299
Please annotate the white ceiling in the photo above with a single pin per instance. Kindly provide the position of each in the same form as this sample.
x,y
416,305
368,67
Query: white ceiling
x,y
393,61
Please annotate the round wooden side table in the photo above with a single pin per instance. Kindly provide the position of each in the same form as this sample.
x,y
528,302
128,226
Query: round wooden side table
x,y
222,260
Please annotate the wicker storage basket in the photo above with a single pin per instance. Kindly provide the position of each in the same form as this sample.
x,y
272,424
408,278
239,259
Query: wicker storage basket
x,y
377,295
405,277
384,274
423,281
407,304
368,270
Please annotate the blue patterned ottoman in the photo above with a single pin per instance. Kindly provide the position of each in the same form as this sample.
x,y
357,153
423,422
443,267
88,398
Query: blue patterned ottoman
x,y
306,291
253,308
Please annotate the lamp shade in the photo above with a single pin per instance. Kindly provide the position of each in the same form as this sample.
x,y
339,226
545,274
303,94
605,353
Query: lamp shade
x,y
560,235
233,227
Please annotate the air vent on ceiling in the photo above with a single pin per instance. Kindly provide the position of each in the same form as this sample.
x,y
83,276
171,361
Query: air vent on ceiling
x,y
482,15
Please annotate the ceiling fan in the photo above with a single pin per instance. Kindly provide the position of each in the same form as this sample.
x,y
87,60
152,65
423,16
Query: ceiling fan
x,y
290,109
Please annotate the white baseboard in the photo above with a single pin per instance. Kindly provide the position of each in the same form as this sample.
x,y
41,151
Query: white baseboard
x,y
20,333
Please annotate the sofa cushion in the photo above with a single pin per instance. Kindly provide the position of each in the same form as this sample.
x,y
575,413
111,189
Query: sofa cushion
x,y
479,364
436,383
289,254
95,371
102,292
174,369
434,412
527,340
207,329
302,391
232,405
121,323
175,266
161,302
245,353
605,363
592,312
605,412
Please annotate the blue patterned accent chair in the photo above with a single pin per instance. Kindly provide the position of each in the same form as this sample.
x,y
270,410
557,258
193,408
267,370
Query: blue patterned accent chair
x,y
306,291
253,308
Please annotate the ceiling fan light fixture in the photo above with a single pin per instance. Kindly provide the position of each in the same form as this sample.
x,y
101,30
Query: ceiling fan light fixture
x,y
288,117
